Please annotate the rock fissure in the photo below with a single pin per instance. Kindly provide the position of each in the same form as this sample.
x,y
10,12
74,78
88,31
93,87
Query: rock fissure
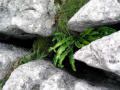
x,y
23,21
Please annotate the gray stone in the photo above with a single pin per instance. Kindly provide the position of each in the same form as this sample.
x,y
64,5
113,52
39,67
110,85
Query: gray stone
x,y
95,13
27,16
8,55
42,75
103,53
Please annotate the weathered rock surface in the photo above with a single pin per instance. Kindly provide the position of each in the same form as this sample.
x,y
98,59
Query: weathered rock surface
x,y
103,53
8,55
18,17
96,13
42,75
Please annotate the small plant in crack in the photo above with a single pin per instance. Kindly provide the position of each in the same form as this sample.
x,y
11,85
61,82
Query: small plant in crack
x,y
66,43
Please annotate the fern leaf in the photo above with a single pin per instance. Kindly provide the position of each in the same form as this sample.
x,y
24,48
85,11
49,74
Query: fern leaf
x,y
104,28
72,61
63,57
94,33
60,43
90,38
61,50
78,45
55,38
85,42
83,34
55,60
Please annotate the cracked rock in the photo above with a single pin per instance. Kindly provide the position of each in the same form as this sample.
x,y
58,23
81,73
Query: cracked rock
x,y
103,53
29,16
42,75
95,13
9,54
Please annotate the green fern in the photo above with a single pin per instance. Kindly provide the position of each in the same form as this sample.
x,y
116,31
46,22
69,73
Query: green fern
x,y
63,57
72,61
60,43
65,43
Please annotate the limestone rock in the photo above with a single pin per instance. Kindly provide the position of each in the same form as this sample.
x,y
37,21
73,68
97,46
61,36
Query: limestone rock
x,y
27,16
42,75
95,13
8,55
103,53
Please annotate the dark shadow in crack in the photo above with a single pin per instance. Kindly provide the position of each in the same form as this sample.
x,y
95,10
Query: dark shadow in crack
x,y
94,76
24,40
114,26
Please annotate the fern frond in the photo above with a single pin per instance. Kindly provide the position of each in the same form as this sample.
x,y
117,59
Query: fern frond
x,y
90,38
61,50
83,34
63,47
82,40
72,61
55,60
63,57
78,45
60,43
94,33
